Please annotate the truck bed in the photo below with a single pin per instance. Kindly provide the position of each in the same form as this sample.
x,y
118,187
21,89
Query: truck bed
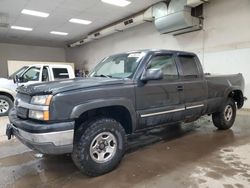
x,y
218,86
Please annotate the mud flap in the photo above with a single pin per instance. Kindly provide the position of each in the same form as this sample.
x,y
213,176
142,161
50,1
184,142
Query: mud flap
x,y
9,131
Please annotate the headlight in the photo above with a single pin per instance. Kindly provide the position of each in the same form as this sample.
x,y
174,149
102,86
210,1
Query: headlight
x,y
41,99
40,115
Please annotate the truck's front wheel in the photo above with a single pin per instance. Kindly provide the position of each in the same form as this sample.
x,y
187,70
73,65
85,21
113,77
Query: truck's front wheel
x,y
100,147
224,119
5,105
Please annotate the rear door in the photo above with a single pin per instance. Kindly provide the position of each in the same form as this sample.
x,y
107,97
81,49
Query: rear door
x,y
194,87
158,101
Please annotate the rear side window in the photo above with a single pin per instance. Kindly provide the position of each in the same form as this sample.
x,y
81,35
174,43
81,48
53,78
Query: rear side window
x,y
60,73
189,66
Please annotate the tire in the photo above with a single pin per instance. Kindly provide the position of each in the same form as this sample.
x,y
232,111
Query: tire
x,y
224,119
5,105
91,154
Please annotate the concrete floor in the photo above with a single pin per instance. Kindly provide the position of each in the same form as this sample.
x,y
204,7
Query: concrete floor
x,y
3,122
179,156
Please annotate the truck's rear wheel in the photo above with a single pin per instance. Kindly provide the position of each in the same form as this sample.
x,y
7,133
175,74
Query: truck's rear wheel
x,y
5,105
224,119
100,148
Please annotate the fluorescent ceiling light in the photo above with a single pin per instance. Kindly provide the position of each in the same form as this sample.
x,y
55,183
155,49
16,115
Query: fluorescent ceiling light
x,y
35,13
120,3
79,21
58,33
21,28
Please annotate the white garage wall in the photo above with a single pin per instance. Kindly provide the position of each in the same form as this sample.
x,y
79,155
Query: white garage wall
x,y
27,53
223,45
229,62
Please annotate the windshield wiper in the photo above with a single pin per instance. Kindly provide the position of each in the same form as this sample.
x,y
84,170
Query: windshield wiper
x,y
102,75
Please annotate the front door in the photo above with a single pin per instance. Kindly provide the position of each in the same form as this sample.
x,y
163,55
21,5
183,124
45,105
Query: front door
x,y
158,101
31,76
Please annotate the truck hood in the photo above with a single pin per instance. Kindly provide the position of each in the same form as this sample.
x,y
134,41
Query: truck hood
x,y
67,85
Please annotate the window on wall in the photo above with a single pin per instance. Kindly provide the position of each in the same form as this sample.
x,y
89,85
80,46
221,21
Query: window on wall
x,y
189,66
167,64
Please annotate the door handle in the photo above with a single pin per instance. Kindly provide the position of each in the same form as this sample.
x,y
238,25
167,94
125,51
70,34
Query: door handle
x,y
179,88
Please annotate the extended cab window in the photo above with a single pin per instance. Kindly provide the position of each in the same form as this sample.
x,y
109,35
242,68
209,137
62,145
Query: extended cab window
x,y
189,66
167,64
60,73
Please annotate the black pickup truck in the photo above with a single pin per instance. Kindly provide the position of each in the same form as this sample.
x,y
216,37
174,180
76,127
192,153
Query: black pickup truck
x,y
125,93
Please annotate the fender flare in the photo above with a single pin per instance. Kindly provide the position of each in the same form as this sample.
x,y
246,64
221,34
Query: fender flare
x,y
91,105
240,103
231,89
8,92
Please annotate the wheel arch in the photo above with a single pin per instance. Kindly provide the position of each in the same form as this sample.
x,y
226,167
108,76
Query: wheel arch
x,y
121,110
7,94
237,95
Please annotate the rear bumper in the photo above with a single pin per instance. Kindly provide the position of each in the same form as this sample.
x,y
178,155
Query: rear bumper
x,y
56,138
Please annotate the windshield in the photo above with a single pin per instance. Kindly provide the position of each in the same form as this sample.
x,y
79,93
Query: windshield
x,y
18,72
118,66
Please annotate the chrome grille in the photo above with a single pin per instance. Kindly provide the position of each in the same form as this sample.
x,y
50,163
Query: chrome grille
x,y
23,97
22,112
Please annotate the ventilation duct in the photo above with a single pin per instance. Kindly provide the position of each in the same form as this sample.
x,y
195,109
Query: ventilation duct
x,y
119,27
175,18
179,19
195,3
158,10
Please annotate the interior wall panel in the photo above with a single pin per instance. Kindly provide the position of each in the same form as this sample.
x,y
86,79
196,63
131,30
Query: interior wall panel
x,y
27,53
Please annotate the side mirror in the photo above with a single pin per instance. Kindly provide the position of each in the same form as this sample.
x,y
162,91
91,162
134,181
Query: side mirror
x,y
15,79
152,74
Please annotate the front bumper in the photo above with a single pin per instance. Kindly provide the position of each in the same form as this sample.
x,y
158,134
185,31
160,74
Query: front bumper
x,y
54,138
